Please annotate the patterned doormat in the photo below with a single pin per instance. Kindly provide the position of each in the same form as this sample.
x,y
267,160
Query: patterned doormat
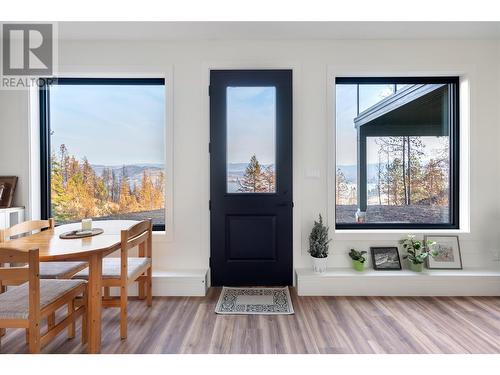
x,y
254,301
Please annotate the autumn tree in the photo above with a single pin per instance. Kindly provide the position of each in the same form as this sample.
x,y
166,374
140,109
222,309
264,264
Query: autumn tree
x,y
341,187
408,150
392,182
147,192
269,178
77,191
435,183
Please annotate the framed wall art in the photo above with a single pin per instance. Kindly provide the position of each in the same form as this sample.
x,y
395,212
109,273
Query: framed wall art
x,y
446,251
7,190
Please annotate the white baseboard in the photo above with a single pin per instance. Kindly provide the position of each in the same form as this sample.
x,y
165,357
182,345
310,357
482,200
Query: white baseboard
x,y
189,283
347,282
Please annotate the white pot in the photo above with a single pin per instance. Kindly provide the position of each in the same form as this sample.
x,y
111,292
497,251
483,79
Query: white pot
x,y
319,264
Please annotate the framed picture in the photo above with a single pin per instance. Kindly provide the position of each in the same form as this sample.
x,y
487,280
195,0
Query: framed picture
x,y
448,253
7,190
385,258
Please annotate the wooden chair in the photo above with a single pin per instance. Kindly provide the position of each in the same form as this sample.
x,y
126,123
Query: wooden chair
x,y
48,270
25,305
123,271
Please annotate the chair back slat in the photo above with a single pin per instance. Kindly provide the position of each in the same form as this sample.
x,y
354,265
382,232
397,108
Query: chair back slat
x,y
137,240
138,229
136,234
27,227
14,275
8,255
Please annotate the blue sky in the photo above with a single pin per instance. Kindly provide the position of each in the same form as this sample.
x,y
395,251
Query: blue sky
x,y
109,124
251,124
347,111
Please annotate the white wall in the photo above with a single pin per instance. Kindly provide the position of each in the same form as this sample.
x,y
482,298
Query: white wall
x,y
189,248
14,144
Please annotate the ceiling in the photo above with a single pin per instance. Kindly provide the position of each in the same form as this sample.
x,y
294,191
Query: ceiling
x,y
159,31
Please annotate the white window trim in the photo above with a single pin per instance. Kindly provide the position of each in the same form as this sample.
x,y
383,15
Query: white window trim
x,y
464,72
119,72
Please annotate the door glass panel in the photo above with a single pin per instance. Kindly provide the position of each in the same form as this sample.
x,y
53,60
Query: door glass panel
x,y
251,139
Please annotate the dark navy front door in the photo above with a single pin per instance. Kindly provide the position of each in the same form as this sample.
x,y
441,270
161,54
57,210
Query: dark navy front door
x,y
251,200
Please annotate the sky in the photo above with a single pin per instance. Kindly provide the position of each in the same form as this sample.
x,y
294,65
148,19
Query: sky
x,y
346,111
251,124
109,124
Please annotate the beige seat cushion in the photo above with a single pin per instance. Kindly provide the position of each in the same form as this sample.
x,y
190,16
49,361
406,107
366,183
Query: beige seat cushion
x,y
111,268
59,270
14,303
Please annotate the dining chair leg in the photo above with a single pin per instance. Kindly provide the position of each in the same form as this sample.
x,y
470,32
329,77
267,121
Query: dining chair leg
x,y
34,338
149,286
71,327
85,325
123,312
142,289
27,336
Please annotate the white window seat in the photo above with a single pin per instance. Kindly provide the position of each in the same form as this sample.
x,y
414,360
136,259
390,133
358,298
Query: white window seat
x,y
348,282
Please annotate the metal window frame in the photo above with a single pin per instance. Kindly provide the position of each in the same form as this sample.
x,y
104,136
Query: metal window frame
x,y
454,180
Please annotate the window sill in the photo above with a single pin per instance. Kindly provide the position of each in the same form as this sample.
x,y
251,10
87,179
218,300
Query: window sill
x,y
362,234
385,231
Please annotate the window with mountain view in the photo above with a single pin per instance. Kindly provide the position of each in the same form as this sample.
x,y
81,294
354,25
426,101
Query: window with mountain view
x,y
251,139
106,149
396,153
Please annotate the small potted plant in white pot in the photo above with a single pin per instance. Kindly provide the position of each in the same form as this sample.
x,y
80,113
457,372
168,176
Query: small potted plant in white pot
x,y
318,246
358,259
416,253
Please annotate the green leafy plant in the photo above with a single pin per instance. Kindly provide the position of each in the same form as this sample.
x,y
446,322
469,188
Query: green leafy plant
x,y
416,252
318,240
358,255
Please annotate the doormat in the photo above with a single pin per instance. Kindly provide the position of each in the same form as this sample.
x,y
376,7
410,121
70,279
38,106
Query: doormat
x,y
254,301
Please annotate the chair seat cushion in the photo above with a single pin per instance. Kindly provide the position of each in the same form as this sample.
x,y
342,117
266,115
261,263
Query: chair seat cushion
x,y
14,303
111,268
60,270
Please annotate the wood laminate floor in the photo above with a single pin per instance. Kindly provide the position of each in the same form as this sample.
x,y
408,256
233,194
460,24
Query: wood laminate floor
x,y
320,325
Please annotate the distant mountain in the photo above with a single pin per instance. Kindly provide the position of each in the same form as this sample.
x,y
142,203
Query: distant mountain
x,y
134,172
240,167
130,169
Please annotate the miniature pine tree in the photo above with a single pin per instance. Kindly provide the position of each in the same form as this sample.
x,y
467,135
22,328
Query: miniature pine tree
x,y
318,240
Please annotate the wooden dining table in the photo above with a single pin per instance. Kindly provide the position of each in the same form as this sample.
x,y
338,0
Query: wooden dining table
x,y
88,249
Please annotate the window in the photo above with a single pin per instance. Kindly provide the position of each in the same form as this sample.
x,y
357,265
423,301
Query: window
x,y
251,139
396,153
103,149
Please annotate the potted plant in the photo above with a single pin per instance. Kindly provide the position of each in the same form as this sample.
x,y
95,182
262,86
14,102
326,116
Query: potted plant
x,y
416,253
318,246
358,259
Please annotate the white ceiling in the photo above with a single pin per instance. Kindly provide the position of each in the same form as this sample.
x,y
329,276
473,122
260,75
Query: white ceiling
x,y
276,30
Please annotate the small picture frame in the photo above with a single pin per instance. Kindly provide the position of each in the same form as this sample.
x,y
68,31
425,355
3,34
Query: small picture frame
x,y
7,190
385,258
448,253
